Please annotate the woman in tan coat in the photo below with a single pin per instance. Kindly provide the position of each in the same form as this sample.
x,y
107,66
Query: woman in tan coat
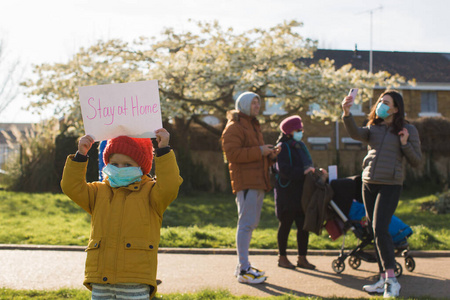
x,y
248,161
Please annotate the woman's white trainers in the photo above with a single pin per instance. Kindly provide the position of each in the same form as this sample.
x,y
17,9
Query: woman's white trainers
x,y
252,268
391,288
260,272
251,276
377,287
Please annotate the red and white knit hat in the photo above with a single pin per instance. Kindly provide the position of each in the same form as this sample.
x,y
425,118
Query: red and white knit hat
x,y
140,150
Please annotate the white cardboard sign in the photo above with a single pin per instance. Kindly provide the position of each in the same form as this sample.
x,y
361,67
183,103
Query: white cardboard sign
x,y
332,173
111,110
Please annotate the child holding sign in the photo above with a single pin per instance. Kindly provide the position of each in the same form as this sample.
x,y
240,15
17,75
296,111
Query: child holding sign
x,y
126,209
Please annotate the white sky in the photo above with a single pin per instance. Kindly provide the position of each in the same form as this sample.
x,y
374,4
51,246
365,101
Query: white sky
x,y
51,31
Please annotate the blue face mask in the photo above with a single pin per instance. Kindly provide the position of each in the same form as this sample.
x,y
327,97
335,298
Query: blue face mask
x,y
382,110
297,136
118,177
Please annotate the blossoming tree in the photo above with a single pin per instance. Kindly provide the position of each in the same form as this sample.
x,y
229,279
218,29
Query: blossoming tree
x,y
200,73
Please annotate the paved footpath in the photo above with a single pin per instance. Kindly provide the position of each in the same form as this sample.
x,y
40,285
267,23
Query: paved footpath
x,y
195,270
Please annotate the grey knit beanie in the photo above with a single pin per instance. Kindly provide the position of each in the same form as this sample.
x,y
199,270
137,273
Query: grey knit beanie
x,y
244,102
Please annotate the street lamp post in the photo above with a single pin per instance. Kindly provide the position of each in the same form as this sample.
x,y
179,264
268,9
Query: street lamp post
x,y
371,42
370,11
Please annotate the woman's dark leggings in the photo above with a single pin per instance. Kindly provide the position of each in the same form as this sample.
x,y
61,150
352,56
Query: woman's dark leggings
x,y
380,201
284,227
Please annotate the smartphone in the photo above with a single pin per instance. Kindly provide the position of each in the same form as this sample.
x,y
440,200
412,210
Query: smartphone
x,y
353,93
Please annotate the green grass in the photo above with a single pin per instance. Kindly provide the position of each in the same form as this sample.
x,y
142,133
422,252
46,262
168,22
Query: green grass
x,y
51,219
200,221
202,295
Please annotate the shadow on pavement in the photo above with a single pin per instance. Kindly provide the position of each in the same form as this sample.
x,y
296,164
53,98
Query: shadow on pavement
x,y
276,290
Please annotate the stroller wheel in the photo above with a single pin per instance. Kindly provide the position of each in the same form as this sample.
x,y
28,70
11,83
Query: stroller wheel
x,y
354,262
410,264
338,266
398,269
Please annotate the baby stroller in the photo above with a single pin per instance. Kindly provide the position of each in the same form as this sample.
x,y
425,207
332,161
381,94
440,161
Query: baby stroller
x,y
348,213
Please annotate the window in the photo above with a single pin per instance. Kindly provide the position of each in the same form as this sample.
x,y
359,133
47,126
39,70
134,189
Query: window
x,y
3,153
356,109
6,152
351,144
319,143
313,109
274,108
428,104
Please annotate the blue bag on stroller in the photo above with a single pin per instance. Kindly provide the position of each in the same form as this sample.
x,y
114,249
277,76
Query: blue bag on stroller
x,y
397,228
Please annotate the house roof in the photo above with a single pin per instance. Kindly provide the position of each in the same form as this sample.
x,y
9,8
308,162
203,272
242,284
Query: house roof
x,y
425,67
7,127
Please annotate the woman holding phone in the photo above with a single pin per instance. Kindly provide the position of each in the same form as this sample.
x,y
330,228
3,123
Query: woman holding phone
x,y
390,139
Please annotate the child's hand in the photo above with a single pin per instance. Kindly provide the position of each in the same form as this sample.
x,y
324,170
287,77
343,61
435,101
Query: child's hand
x,y
162,137
84,144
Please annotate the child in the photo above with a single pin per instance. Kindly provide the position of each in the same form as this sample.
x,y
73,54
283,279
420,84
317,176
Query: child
x,y
126,209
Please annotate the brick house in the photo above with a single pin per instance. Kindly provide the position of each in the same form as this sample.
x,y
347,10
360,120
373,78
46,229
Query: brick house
x,y
5,150
330,144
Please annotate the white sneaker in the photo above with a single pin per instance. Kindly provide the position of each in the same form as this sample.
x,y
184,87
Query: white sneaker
x,y
260,272
238,271
250,276
391,288
377,287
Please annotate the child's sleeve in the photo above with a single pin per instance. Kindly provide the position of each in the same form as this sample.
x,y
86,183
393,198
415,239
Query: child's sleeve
x,y
168,181
74,184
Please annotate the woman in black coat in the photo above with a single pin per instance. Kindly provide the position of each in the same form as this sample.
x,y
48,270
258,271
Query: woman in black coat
x,y
293,162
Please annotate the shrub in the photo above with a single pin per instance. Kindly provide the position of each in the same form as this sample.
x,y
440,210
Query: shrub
x,y
32,168
443,204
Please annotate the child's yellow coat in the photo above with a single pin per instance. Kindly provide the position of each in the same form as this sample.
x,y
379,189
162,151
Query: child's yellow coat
x,y
126,221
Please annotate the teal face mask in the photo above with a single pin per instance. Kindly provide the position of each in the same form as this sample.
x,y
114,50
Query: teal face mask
x,y
297,136
118,177
382,110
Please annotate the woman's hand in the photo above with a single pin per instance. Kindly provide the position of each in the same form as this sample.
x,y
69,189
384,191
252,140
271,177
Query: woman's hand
x,y
310,169
162,137
266,150
275,151
346,105
85,144
404,135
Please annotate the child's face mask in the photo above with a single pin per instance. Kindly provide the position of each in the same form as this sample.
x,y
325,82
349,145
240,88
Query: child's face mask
x,y
297,136
118,177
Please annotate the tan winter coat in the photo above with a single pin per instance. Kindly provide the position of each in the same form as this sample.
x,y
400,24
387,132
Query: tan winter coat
x,y
241,141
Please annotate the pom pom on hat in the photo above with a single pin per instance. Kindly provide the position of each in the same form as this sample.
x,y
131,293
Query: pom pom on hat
x,y
140,150
290,124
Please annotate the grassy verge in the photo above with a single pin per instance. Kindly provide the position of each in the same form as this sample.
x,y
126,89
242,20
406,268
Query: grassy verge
x,y
200,221
202,295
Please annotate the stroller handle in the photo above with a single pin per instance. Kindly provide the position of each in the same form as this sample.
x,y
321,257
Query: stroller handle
x,y
340,213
